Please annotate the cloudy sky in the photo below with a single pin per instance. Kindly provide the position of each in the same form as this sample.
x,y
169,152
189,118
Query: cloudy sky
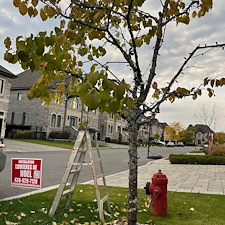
x,y
179,42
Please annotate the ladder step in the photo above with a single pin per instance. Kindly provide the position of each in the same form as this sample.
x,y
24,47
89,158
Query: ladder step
x,y
99,176
66,192
82,151
74,171
76,164
105,198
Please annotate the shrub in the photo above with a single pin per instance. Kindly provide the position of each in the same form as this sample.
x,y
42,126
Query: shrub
x,y
217,150
107,139
197,159
59,134
22,134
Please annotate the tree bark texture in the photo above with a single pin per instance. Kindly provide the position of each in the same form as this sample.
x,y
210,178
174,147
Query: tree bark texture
x,y
133,173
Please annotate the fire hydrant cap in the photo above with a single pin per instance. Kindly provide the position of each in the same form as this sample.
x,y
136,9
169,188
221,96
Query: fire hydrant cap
x,y
159,178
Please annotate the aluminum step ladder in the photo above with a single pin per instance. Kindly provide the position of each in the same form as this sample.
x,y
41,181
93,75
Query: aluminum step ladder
x,y
74,166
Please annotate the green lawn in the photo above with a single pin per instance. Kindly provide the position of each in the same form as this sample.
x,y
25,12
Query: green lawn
x,y
205,209
60,144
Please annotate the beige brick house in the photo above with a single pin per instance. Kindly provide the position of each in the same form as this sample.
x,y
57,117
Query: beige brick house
x,y
5,85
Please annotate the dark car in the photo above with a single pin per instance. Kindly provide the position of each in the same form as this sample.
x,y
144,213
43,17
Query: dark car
x,y
2,156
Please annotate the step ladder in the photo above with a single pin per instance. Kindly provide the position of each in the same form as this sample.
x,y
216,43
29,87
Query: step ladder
x,y
82,145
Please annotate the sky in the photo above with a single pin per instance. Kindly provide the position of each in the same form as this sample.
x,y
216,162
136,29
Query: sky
x,y
178,43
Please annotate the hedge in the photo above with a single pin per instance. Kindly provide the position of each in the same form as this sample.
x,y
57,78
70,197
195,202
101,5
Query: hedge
x,y
197,159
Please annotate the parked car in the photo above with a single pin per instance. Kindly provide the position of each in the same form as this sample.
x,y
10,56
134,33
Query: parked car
x,y
2,156
158,142
180,144
170,144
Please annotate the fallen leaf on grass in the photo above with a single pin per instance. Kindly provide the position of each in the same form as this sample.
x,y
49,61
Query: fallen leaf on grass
x,y
192,209
74,220
10,223
44,210
180,213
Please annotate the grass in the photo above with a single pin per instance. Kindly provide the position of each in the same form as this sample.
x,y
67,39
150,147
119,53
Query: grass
x,y
196,151
59,144
206,209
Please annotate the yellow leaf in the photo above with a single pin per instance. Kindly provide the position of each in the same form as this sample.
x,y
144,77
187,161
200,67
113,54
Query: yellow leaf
x,y
194,14
16,3
30,11
10,223
23,8
34,2
43,14
65,215
22,214
7,42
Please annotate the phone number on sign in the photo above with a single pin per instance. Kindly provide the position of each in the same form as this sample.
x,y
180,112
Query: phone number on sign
x,y
25,180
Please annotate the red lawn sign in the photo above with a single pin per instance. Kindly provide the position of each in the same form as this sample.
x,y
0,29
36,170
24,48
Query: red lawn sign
x,y
26,172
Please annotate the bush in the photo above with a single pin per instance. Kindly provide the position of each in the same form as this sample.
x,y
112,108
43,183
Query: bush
x,y
217,150
197,159
59,134
22,134
107,139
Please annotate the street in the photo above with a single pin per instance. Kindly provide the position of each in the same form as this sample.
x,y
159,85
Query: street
x,y
55,160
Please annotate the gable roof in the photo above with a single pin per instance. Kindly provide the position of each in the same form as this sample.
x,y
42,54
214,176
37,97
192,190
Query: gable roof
x,y
7,73
203,128
25,80
163,125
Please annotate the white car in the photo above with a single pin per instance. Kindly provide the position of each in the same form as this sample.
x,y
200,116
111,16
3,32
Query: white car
x,y
170,144
180,144
2,156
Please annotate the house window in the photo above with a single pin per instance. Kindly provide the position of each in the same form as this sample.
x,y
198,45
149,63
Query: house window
x,y
73,121
110,129
23,118
119,129
1,86
13,118
75,104
111,115
19,97
58,121
53,120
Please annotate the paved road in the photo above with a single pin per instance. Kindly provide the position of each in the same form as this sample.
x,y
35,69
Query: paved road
x,y
114,159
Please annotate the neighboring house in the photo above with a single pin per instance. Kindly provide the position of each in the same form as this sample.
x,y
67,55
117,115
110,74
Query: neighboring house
x,y
25,114
38,117
5,85
110,127
202,135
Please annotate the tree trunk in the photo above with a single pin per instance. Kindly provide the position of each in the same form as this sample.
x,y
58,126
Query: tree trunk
x,y
133,172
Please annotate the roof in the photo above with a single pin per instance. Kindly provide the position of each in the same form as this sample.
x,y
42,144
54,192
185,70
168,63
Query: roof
x,y
25,80
163,125
7,73
203,128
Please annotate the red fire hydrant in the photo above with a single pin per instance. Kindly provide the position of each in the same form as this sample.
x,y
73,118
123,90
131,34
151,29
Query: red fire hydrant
x,y
158,190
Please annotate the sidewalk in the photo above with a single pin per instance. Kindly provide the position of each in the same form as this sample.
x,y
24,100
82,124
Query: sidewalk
x,y
205,179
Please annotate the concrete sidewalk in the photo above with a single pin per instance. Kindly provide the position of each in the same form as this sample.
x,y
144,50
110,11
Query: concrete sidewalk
x,y
205,179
